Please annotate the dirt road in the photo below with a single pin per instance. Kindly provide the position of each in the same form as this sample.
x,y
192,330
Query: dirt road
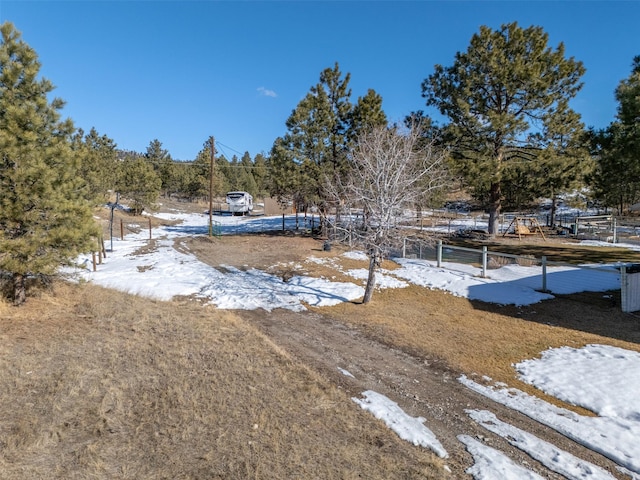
x,y
421,387
421,384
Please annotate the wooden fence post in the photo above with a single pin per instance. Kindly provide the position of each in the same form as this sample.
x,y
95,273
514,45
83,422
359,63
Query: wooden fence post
x,y
121,230
149,228
93,260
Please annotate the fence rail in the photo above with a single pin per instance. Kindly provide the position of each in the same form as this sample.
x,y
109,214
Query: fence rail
x,y
545,275
606,228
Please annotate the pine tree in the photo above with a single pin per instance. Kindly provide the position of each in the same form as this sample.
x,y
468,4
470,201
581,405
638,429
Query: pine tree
x,y
260,174
496,95
247,181
198,175
138,183
163,165
193,180
45,221
98,164
229,173
234,174
320,131
317,137
284,174
367,114
616,179
564,162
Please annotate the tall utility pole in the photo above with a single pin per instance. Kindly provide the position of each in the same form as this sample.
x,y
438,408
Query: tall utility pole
x,y
213,151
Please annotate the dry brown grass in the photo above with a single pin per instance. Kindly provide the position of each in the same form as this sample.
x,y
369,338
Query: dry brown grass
x,y
470,337
100,384
478,338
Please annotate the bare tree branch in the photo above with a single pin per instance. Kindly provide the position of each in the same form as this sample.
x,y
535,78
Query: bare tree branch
x,y
391,171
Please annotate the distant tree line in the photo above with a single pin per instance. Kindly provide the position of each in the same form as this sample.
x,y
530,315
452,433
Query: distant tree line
x,y
142,178
509,138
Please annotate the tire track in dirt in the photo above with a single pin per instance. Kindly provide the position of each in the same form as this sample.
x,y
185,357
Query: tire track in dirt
x,y
419,386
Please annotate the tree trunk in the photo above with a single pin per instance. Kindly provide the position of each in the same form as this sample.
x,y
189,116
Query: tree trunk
x,y
324,229
19,289
371,279
495,201
554,207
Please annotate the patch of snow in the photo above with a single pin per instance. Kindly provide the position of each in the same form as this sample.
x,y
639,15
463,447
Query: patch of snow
x,y
466,284
346,373
598,243
406,427
614,438
596,377
508,285
564,463
492,464
356,255
383,280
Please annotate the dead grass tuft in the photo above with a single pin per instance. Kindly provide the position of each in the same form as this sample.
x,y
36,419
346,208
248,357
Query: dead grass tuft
x,y
99,384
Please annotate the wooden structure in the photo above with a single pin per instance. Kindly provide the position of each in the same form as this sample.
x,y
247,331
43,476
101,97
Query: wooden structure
x,y
525,226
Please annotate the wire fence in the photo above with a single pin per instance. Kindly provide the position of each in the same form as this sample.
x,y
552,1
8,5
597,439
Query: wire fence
x,y
580,225
127,227
538,273
541,274
263,224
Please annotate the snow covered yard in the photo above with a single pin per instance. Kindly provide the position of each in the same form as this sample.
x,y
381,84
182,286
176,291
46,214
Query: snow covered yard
x,y
601,378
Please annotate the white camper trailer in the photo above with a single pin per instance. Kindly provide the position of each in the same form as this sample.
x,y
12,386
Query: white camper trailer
x,y
239,202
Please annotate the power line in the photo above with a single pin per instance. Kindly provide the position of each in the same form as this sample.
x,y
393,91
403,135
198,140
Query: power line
x,y
191,163
220,144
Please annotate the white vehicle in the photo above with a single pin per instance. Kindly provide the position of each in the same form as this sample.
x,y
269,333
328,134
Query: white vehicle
x,y
240,202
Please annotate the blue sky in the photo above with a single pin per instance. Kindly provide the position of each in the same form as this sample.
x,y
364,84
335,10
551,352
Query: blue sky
x,y
181,71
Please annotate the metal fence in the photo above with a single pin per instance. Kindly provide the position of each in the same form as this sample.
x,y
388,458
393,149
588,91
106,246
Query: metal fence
x,y
542,274
606,228
582,226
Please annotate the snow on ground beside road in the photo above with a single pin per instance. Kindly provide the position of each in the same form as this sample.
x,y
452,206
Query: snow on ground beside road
x,y
384,278
511,284
254,289
406,427
546,453
615,436
599,389
492,464
603,379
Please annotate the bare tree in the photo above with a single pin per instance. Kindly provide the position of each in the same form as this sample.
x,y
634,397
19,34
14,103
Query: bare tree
x,y
391,171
